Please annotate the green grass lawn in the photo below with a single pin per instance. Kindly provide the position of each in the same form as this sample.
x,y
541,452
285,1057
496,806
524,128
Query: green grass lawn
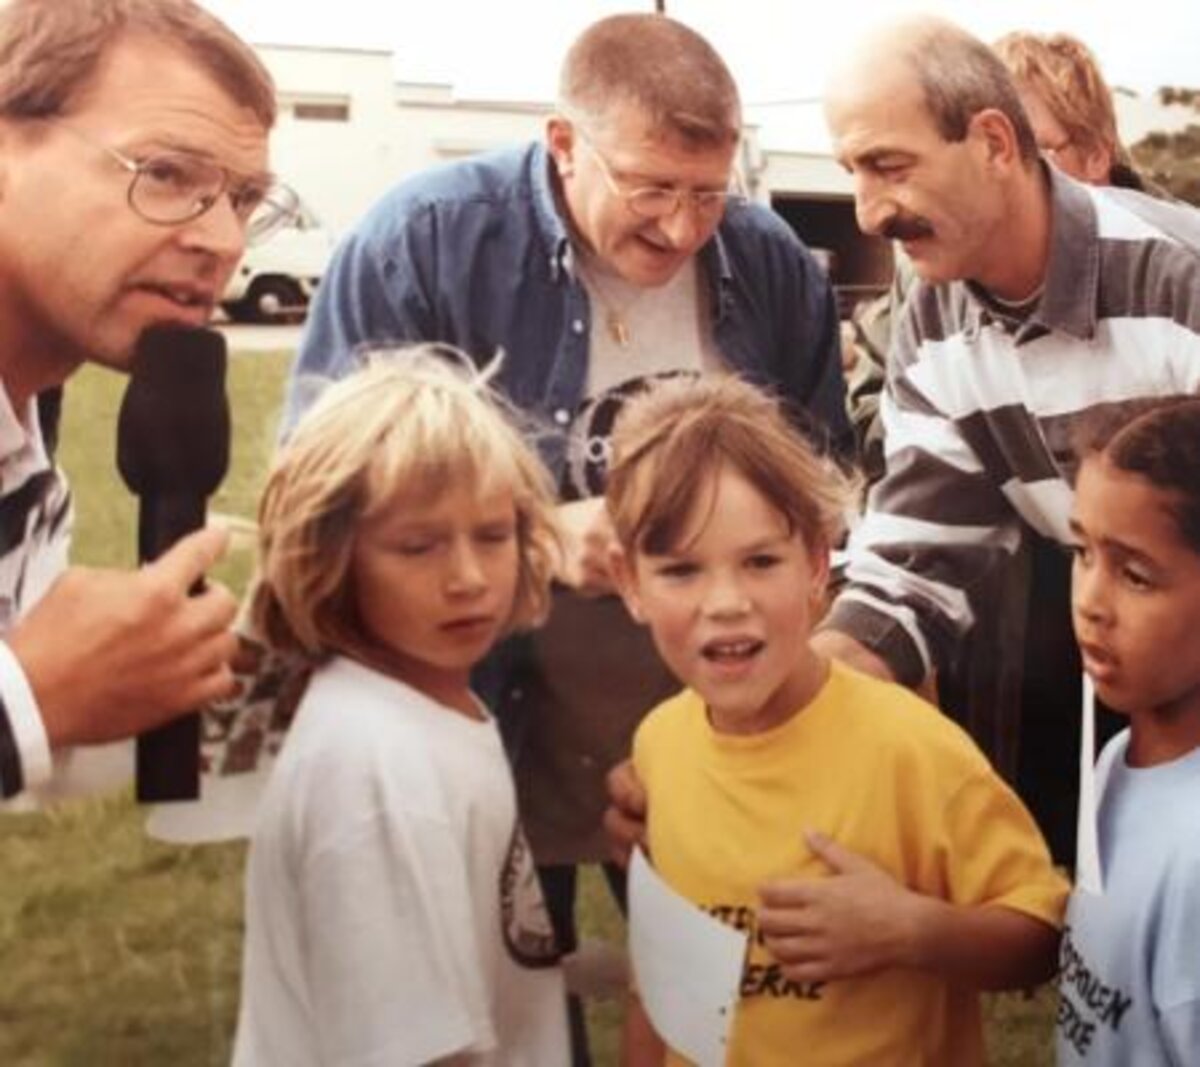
x,y
118,950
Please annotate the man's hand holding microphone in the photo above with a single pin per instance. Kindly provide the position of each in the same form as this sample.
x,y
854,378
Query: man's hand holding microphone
x,y
110,654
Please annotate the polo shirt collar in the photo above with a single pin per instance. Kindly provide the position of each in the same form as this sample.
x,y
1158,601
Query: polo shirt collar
x,y
714,258
1070,292
21,450
1071,295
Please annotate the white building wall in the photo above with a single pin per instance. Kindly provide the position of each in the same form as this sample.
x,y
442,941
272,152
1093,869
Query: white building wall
x,y
337,167
805,173
341,167
464,129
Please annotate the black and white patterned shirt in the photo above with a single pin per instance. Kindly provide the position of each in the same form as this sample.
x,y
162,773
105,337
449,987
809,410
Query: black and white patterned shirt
x,y
35,525
979,410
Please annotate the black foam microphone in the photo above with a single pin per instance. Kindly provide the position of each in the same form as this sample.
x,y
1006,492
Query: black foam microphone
x,y
173,452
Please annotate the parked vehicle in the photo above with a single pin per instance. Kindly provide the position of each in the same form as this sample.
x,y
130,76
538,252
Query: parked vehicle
x,y
275,280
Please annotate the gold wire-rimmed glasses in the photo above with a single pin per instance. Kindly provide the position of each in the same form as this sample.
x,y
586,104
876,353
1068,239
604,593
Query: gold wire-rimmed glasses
x,y
171,187
661,201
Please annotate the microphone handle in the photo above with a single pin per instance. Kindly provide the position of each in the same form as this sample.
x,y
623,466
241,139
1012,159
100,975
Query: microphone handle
x,y
164,519
168,757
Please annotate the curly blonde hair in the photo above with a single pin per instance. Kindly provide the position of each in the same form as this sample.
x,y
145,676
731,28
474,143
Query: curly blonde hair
x,y
401,430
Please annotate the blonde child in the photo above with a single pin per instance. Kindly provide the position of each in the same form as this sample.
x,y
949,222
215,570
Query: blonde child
x,y
1130,964
392,912
922,877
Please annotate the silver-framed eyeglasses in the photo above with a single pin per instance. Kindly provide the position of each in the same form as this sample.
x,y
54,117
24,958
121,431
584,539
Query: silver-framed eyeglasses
x,y
171,187
662,201
1054,152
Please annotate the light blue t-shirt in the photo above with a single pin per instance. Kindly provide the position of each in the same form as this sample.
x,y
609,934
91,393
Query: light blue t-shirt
x,y
1130,960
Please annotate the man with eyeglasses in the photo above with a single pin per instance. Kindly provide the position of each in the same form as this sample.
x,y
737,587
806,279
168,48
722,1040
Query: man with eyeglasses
x,y
133,151
1070,107
615,251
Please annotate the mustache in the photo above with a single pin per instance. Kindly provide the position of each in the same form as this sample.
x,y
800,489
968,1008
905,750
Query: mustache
x,y
906,228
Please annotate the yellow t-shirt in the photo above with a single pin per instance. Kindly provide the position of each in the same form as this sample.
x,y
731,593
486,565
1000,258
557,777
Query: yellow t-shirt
x,y
882,773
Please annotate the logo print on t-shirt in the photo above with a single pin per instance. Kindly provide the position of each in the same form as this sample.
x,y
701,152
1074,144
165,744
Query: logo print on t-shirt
x,y
528,934
588,447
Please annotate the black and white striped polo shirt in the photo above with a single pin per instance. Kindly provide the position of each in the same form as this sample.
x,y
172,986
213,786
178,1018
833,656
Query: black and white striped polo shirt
x,y
979,409
35,521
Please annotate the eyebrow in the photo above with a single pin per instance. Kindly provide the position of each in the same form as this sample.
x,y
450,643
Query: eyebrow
x,y
165,144
766,543
640,179
1057,146
762,545
1120,548
871,156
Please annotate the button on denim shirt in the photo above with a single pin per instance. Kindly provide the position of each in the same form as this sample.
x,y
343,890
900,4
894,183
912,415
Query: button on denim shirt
x,y
476,254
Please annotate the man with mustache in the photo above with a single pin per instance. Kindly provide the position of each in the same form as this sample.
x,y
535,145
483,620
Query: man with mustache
x,y
906,228
1037,300
133,151
1016,695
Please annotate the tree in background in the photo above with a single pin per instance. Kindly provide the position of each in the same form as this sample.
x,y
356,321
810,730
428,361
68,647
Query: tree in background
x,y
1172,160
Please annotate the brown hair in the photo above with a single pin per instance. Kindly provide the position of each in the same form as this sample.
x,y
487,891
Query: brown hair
x,y
50,49
1158,440
670,443
400,430
664,68
1064,75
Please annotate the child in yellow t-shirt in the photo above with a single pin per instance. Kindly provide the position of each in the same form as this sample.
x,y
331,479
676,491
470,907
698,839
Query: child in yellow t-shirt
x,y
912,876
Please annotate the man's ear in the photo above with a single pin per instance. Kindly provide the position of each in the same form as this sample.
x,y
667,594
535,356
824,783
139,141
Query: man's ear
x,y
621,567
560,143
997,135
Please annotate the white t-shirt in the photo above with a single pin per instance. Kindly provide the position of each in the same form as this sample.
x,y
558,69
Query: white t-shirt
x,y
392,913
592,672
667,327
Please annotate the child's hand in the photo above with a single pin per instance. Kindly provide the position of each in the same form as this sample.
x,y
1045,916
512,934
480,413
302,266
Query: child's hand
x,y
855,922
588,544
625,817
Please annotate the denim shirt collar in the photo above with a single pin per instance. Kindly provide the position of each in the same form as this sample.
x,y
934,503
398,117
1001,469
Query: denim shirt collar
x,y
551,225
714,257
556,239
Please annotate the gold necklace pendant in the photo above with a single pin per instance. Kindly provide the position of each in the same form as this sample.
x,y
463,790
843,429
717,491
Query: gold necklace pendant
x,y
617,329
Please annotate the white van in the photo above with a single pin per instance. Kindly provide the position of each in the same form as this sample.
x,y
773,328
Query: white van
x,y
275,280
